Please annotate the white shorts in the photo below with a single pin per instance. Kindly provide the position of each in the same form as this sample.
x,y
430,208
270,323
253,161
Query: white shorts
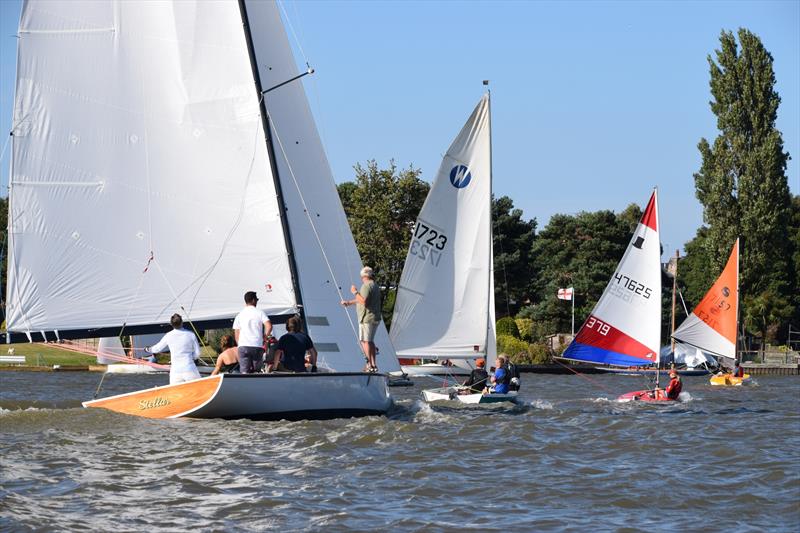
x,y
366,331
186,375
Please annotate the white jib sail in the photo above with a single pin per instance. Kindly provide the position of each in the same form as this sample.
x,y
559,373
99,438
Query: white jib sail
x,y
136,131
443,302
324,249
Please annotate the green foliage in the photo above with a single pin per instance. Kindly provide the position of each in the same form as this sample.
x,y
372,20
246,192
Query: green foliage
x,y
514,265
507,326
742,183
525,328
382,206
538,354
389,298
511,346
214,337
580,251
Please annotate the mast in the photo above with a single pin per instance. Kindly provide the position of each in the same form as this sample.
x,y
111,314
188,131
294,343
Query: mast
x,y
287,236
674,290
658,347
491,232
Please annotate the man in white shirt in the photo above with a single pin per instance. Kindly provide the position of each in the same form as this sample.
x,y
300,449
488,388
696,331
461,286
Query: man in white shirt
x,y
183,350
251,327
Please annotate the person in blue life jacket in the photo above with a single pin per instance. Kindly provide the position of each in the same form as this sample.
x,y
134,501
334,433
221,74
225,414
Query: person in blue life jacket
x,y
501,377
738,371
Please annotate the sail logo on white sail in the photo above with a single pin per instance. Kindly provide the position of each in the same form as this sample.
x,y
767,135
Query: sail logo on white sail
x,y
427,243
460,176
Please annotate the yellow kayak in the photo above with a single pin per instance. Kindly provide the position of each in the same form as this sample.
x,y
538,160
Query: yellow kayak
x,y
728,380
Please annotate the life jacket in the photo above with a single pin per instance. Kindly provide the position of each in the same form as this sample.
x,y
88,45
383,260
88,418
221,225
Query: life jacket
x,y
674,389
739,372
512,377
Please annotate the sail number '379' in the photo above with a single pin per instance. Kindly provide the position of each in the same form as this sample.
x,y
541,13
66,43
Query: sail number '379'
x,y
427,243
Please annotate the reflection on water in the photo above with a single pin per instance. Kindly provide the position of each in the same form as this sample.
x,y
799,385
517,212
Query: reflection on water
x,y
567,457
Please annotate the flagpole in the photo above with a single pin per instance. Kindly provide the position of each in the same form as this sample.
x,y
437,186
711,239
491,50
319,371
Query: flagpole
x,y
573,313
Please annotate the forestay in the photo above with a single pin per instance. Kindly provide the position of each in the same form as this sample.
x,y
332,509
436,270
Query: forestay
x,y
712,325
140,174
324,249
624,328
446,294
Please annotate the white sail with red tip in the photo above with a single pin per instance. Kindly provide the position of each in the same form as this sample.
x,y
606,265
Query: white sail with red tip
x,y
624,328
712,325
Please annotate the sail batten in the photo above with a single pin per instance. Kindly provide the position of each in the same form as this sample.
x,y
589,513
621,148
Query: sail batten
x,y
624,328
446,292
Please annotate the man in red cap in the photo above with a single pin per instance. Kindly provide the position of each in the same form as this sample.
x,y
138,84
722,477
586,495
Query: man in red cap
x,y
477,379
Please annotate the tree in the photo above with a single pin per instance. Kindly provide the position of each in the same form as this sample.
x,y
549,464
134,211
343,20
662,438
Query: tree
x,y
514,267
580,251
742,182
382,206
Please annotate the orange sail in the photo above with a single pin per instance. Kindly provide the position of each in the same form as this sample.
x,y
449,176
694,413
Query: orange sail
x,y
712,325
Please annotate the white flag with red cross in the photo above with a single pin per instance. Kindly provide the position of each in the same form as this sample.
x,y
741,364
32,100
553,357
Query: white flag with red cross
x,y
565,294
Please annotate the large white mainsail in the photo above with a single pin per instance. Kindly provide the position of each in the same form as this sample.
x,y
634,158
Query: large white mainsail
x,y
140,176
446,295
324,248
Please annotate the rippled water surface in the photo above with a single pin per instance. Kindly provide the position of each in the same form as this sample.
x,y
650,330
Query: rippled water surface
x,y
569,458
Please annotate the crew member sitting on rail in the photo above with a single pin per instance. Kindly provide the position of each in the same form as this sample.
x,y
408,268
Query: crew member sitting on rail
x,y
501,376
738,371
673,390
183,350
477,378
228,360
292,348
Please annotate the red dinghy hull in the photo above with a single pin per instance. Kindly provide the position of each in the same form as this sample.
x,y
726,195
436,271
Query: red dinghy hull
x,y
657,395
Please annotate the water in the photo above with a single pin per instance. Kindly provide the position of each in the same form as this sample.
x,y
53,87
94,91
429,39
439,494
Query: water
x,y
568,459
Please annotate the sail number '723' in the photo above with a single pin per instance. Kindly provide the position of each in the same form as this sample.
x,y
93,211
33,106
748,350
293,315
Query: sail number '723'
x,y
427,243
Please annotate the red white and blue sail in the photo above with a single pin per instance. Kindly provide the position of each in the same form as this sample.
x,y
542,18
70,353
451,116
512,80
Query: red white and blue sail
x,y
624,327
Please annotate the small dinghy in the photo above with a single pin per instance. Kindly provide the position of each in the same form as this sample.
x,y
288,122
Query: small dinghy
x,y
456,394
650,395
729,380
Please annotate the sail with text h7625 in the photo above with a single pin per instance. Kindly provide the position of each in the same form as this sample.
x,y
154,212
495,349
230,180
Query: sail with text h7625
x,y
712,325
624,328
445,294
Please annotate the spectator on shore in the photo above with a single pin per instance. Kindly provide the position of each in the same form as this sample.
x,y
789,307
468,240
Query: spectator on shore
x,y
292,349
228,360
368,308
251,327
183,350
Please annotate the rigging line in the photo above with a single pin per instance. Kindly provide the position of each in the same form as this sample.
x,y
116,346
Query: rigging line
x,y
240,215
177,301
685,310
593,382
313,227
505,276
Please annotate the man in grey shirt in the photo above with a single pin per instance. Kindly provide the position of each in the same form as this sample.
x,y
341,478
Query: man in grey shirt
x,y
368,308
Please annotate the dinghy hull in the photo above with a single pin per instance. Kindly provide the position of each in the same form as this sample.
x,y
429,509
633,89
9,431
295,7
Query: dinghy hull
x,y
729,380
259,397
451,394
652,395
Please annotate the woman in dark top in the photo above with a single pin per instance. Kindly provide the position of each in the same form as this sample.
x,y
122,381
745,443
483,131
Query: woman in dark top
x,y
228,360
290,353
477,379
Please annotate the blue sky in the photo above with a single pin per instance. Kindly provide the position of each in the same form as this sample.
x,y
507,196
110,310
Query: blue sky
x,y
594,103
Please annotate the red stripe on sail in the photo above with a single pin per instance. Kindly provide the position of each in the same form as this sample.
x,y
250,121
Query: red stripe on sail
x,y
649,217
614,340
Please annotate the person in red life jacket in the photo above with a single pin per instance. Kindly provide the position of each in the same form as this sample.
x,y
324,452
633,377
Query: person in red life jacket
x,y
738,371
674,387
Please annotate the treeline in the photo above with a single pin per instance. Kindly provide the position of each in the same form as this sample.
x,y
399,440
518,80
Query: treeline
x,y
742,186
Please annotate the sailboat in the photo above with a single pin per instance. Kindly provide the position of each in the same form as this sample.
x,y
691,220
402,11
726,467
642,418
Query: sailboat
x,y
445,298
712,325
624,328
165,159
